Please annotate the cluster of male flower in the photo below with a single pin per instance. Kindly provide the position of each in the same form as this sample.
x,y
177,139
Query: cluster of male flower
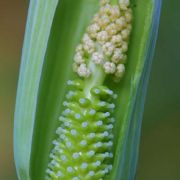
x,y
105,42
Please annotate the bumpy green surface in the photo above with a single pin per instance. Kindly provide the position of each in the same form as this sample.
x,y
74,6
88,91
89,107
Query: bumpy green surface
x,y
83,147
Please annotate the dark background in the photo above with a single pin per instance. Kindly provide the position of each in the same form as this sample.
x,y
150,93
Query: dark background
x,y
160,145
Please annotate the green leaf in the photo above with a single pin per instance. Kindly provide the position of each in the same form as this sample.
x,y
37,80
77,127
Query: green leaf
x,y
53,31
38,28
132,93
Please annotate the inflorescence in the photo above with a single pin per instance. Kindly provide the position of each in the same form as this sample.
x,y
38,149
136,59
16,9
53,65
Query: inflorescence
x,y
105,42
82,149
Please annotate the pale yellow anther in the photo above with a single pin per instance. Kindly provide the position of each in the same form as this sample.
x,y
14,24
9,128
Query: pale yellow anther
x,y
128,16
104,21
117,56
111,29
78,58
105,9
124,47
79,48
120,23
114,13
109,67
124,4
89,46
116,39
125,33
120,70
102,36
108,48
86,38
124,58
83,71
94,28
97,58
96,18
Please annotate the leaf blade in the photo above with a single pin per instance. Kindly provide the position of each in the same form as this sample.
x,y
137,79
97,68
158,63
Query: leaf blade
x,y
39,21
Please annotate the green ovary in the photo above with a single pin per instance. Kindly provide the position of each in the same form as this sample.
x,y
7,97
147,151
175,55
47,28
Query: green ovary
x,y
83,147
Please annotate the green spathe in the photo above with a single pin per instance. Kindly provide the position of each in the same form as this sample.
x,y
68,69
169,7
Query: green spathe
x,y
39,102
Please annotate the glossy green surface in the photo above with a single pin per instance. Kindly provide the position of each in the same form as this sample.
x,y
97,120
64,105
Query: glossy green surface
x,y
37,32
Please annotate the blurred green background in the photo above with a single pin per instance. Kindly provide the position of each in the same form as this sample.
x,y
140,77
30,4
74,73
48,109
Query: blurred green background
x,y
160,145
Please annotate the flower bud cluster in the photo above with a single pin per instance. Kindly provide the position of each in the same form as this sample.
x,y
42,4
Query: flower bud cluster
x,y
105,42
